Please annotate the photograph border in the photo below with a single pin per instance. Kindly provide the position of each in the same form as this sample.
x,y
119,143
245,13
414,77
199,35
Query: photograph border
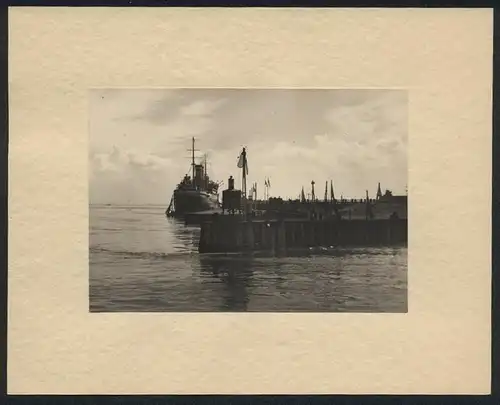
x,y
354,399
393,97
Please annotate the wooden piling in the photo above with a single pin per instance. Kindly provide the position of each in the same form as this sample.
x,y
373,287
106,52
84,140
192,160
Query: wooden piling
x,y
226,234
248,242
281,236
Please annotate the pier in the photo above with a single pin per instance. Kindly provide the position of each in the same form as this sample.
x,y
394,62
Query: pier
x,y
300,224
233,234
242,223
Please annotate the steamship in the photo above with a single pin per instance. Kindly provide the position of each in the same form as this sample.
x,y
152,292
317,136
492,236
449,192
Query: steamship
x,y
195,192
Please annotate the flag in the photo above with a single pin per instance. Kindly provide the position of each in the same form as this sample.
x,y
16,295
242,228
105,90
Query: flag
x,y
332,193
242,161
379,192
268,182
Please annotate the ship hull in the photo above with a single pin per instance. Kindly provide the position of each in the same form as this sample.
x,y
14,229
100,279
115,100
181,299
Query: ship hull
x,y
189,201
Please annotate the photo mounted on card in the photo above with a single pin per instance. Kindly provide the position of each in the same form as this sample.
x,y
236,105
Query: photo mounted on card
x,y
168,233
298,200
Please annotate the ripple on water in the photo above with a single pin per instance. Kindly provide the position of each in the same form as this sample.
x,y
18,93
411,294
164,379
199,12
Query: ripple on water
x,y
142,262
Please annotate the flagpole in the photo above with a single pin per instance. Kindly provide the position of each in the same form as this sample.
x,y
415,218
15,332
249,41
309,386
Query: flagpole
x,y
367,205
244,185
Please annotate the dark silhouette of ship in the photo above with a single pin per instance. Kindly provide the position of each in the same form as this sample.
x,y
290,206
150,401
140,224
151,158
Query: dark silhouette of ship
x,y
196,192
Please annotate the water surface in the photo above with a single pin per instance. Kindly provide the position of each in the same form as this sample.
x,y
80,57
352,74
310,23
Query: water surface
x,y
141,261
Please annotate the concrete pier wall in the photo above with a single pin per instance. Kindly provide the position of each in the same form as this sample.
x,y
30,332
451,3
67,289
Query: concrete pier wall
x,y
233,234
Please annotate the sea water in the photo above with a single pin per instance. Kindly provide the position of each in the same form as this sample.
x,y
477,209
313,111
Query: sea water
x,y
141,261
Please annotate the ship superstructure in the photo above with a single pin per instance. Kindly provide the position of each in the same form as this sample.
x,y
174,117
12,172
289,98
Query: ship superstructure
x,y
196,192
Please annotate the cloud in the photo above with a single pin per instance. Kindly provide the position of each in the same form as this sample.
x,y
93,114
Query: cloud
x,y
200,108
129,176
118,160
166,107
139,139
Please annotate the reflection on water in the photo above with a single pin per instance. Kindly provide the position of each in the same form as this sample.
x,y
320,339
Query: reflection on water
x,y
142,262
234,274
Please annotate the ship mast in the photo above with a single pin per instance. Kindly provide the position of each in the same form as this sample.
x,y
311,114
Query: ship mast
x,y
193,164
192,159
244,168
205,178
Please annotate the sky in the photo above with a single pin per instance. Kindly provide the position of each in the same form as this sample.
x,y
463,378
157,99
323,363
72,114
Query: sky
x,y
139,140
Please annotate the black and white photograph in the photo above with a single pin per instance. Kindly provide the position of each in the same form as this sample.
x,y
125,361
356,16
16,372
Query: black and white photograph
x,y
248,200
